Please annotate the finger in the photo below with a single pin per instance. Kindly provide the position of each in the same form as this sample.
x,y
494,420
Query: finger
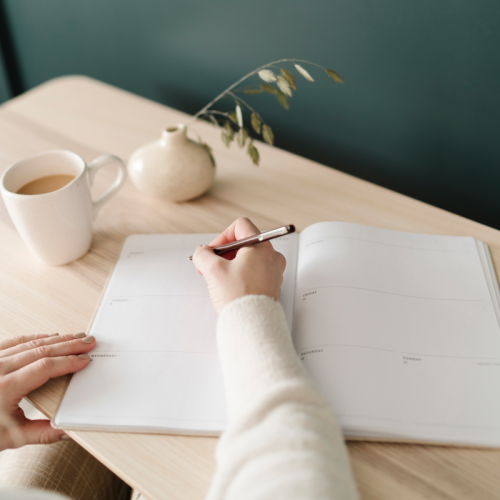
x,y
265,247
21,339
231,255
20,431
240,228
206,261
39,432
21,382
34,344
18,361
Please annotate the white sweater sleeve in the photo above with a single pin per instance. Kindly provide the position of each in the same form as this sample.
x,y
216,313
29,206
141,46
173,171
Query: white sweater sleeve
x,y
282,439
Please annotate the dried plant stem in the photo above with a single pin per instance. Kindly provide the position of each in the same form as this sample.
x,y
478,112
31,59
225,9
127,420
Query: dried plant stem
x,y
239,99
225,92
214,112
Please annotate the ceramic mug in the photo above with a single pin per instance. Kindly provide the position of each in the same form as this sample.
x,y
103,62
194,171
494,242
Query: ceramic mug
x,y
57,226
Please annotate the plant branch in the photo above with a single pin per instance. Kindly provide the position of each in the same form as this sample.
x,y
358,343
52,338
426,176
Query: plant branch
x,y
242,79
214,112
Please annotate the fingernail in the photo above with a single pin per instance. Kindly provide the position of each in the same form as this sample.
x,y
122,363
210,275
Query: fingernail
x,y
79,335
88,340
65,437
53,334
83,356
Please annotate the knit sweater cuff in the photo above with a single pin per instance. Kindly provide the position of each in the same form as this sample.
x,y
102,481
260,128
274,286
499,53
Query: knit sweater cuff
x,y
255,349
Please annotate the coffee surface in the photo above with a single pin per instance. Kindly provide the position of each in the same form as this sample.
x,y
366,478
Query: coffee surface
x,y
46,184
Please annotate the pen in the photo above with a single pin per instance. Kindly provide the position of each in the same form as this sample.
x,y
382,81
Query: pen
x,y
252,240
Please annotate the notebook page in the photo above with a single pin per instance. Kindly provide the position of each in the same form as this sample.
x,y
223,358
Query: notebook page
x,y
155,367
400,332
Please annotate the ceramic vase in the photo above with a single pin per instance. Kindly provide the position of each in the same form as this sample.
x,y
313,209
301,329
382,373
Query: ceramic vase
x,y
173,168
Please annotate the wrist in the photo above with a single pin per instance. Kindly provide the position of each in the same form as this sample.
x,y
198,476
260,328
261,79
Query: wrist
x,y
237,299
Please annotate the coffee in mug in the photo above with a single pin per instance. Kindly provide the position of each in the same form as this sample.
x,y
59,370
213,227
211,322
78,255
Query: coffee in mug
x,y
49,199
46,184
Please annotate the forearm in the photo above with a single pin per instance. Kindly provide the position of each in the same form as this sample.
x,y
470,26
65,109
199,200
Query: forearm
x,y
282,440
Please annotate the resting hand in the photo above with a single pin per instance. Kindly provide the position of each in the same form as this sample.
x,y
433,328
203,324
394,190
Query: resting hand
x,y
26,363
253,270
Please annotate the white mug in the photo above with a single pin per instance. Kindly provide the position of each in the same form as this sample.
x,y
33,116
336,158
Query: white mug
x,y
57,226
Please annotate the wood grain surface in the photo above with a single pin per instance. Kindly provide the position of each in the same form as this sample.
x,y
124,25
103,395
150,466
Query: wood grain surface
x,y
91,118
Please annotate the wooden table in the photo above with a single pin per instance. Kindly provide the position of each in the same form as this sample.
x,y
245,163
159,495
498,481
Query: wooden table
x,y
91,118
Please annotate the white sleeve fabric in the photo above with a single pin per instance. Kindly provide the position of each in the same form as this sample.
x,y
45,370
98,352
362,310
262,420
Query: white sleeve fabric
x,y
282,440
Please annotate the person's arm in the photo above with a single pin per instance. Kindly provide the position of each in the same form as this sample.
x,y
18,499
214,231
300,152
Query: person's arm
x,y
282,440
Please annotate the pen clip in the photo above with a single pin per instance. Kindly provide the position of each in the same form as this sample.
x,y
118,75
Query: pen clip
x,y
274,233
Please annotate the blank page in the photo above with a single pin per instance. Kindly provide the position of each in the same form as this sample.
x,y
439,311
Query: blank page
x,y
155,367
400,332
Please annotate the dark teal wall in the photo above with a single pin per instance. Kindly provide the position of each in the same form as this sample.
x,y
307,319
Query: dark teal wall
x,y
4,88
419,111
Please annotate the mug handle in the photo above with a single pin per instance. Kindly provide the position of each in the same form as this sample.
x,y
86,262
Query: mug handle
x,y
96,165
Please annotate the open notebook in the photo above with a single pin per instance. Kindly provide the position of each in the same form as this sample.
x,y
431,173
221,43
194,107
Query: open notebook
x,y
399,330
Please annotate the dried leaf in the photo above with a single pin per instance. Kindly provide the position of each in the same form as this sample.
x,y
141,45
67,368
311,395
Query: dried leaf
x,y
229,130
213,120
252,91
232,116
304,73
289,78
208,149
253,153
267,75
268,88
267,134
205,146
284,86
334,76
255,122
225,138
242,137
283,100
239,116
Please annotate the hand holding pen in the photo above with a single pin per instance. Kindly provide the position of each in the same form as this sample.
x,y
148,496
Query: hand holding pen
x,y
259,272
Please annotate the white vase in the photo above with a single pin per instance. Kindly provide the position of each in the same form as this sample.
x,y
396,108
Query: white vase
x,y
173,168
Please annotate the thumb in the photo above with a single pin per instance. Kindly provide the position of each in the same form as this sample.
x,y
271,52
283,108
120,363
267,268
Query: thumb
x,y
39,432
206,261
